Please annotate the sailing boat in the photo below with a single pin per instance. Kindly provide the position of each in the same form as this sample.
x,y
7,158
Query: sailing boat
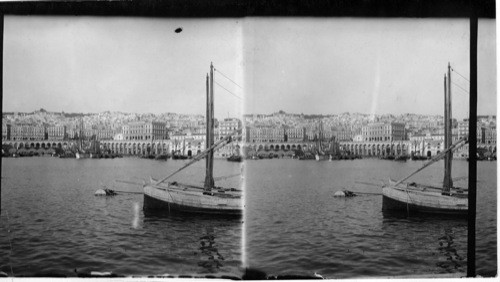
x,y
413,197
209,199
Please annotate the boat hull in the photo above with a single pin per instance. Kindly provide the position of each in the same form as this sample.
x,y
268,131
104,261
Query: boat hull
x,y
322,157
423,201
190,199
82,155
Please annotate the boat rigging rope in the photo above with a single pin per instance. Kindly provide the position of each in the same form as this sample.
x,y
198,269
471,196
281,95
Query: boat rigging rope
x,y
460,87
227,78
460,74
200,156
228,91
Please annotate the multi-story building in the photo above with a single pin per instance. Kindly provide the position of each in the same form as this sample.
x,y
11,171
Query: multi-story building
x,y
390,131
105,133
343,134
432,147
228,126
5,131
56,132
431,136
145,131
28,132
463,131
72,132
266,134
295,134
491,135
311,132
187,144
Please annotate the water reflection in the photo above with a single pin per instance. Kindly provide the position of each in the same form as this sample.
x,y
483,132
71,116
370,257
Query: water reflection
x,y
208,247
454,261
440,241
207,244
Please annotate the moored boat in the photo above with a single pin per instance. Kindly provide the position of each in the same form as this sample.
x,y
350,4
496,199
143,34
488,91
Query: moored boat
x,y
175,196
235,158
207,199
82,155
413,197
446,200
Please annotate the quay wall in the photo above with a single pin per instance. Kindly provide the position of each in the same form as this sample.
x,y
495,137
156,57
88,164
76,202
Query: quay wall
x,y
159,147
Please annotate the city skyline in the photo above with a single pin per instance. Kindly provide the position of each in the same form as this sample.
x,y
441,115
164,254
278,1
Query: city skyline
x,y
244,114
299,65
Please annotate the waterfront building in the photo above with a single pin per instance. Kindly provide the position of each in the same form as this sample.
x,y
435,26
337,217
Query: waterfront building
x,y
310,131
390,131
56,132
145,131
358,138
118,137
186,145
344,134
228,126
88,133
419,137
5,131
104,133
491,135
199,129
28,132
72,133
295,134
433,147
463,131
266,134
326,134
228,150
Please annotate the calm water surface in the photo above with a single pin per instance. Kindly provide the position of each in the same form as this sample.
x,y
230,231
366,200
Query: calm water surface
x,y
57,225
294,225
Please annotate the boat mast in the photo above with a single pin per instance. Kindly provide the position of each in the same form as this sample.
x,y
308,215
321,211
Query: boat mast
x,y
209,180
447,182
207,134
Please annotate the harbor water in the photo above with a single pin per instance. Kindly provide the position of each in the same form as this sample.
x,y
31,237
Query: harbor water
x,y
294,225
52,224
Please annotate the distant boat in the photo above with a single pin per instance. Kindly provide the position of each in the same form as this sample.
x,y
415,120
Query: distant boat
x,y
413,197
209,199
179,157
82,155
401,158
235,158
161,157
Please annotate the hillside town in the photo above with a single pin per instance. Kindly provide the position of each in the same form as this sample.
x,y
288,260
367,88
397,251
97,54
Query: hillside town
x,y
278,134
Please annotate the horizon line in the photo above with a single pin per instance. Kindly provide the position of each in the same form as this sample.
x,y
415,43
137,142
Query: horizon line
x,y
245,114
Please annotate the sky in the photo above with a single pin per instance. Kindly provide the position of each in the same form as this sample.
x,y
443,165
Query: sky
x,y
299,65
371,66
137,65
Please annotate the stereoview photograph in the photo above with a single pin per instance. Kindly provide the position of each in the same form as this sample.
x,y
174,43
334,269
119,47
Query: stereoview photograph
x,y
246,148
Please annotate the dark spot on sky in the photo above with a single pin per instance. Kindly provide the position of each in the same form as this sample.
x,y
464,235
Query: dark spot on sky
x,y
178,30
